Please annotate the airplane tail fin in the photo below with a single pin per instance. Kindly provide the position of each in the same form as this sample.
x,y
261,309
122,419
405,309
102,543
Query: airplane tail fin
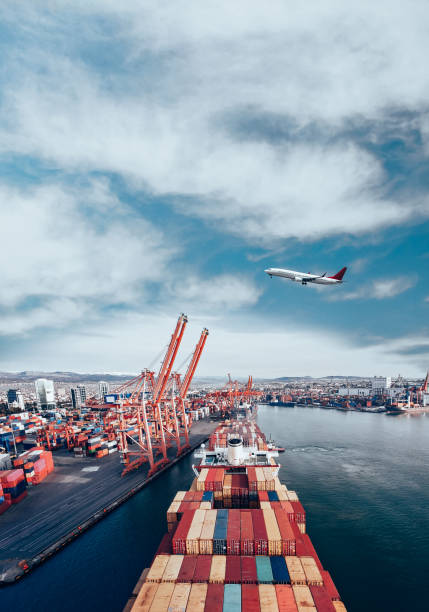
x,y
339,275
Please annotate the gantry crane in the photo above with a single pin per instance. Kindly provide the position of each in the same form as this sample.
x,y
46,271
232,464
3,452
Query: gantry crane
x,y
151,410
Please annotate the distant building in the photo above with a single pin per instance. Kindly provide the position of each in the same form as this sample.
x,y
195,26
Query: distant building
x,y
380,384
15,399
45,394
103,388
78,396
354,391
61,393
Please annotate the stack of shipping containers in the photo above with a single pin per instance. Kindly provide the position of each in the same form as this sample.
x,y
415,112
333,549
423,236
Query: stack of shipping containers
x,y
237,541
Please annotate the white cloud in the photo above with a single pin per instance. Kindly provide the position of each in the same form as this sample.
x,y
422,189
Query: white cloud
x,y
378,289
215,294
236,346
167,131
67,252
59,242
70,252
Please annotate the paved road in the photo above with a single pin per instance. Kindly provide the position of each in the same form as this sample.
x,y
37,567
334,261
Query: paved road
x,y
70,495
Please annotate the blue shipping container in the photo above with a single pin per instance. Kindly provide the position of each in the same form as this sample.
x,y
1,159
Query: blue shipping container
x,y
232,598
263,570
279,569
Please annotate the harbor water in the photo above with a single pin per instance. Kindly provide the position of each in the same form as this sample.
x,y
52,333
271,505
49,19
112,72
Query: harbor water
x,y
363,480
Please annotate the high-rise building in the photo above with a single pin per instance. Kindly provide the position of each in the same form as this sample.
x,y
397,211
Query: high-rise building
x,y
78,396
103,388
75,398
15,399
45,393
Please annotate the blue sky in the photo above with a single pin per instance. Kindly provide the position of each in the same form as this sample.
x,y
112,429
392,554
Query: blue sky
x,y
155,158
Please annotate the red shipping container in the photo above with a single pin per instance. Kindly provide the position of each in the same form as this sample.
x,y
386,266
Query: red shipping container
x,y
251,475
214,598
250,598
321,599
183,507
331,589
209,481
263,496
287,507
165,547
198,496
5,505
286,532
248,570
259,532
239,485
298,511
202,568
285,598
10,478
246,534
233,570
189,496
233,533
187,569
218,479
18,499
311,550
179,538
301,549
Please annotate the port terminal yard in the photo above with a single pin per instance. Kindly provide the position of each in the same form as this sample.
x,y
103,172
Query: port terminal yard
x,y
78,494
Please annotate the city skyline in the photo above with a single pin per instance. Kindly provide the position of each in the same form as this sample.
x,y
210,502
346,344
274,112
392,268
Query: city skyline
x,y
156,161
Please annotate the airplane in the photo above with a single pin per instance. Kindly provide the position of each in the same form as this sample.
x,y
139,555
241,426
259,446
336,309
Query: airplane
x,y
302,277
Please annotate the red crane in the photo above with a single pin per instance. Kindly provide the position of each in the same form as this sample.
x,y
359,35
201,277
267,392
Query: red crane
x,y
151,411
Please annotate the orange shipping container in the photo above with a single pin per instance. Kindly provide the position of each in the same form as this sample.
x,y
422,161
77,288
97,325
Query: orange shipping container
x,y
273,533
217,570
201,479
192,539
145,597
172,512
157,568
303,598
179,599
172,568
197,597
285,598
207,532
268,598
296,571
162,598
311,570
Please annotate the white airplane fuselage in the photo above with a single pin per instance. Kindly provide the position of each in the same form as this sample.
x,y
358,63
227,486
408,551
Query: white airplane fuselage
x,y
303,277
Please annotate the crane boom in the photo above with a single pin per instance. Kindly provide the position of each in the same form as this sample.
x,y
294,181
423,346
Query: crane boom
x,y
184,387
169,358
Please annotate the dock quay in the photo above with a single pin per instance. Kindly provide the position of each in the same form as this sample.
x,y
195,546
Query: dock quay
x,y
78,494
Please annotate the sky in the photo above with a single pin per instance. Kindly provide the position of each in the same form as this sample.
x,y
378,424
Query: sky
x,y
156,157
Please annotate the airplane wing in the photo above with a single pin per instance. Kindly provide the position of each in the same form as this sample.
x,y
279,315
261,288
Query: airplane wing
x,y
314,277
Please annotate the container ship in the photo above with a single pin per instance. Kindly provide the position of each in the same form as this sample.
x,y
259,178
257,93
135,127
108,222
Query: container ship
x,y
237,539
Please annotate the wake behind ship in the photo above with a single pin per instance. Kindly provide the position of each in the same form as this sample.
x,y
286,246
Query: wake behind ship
x,y
237,539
